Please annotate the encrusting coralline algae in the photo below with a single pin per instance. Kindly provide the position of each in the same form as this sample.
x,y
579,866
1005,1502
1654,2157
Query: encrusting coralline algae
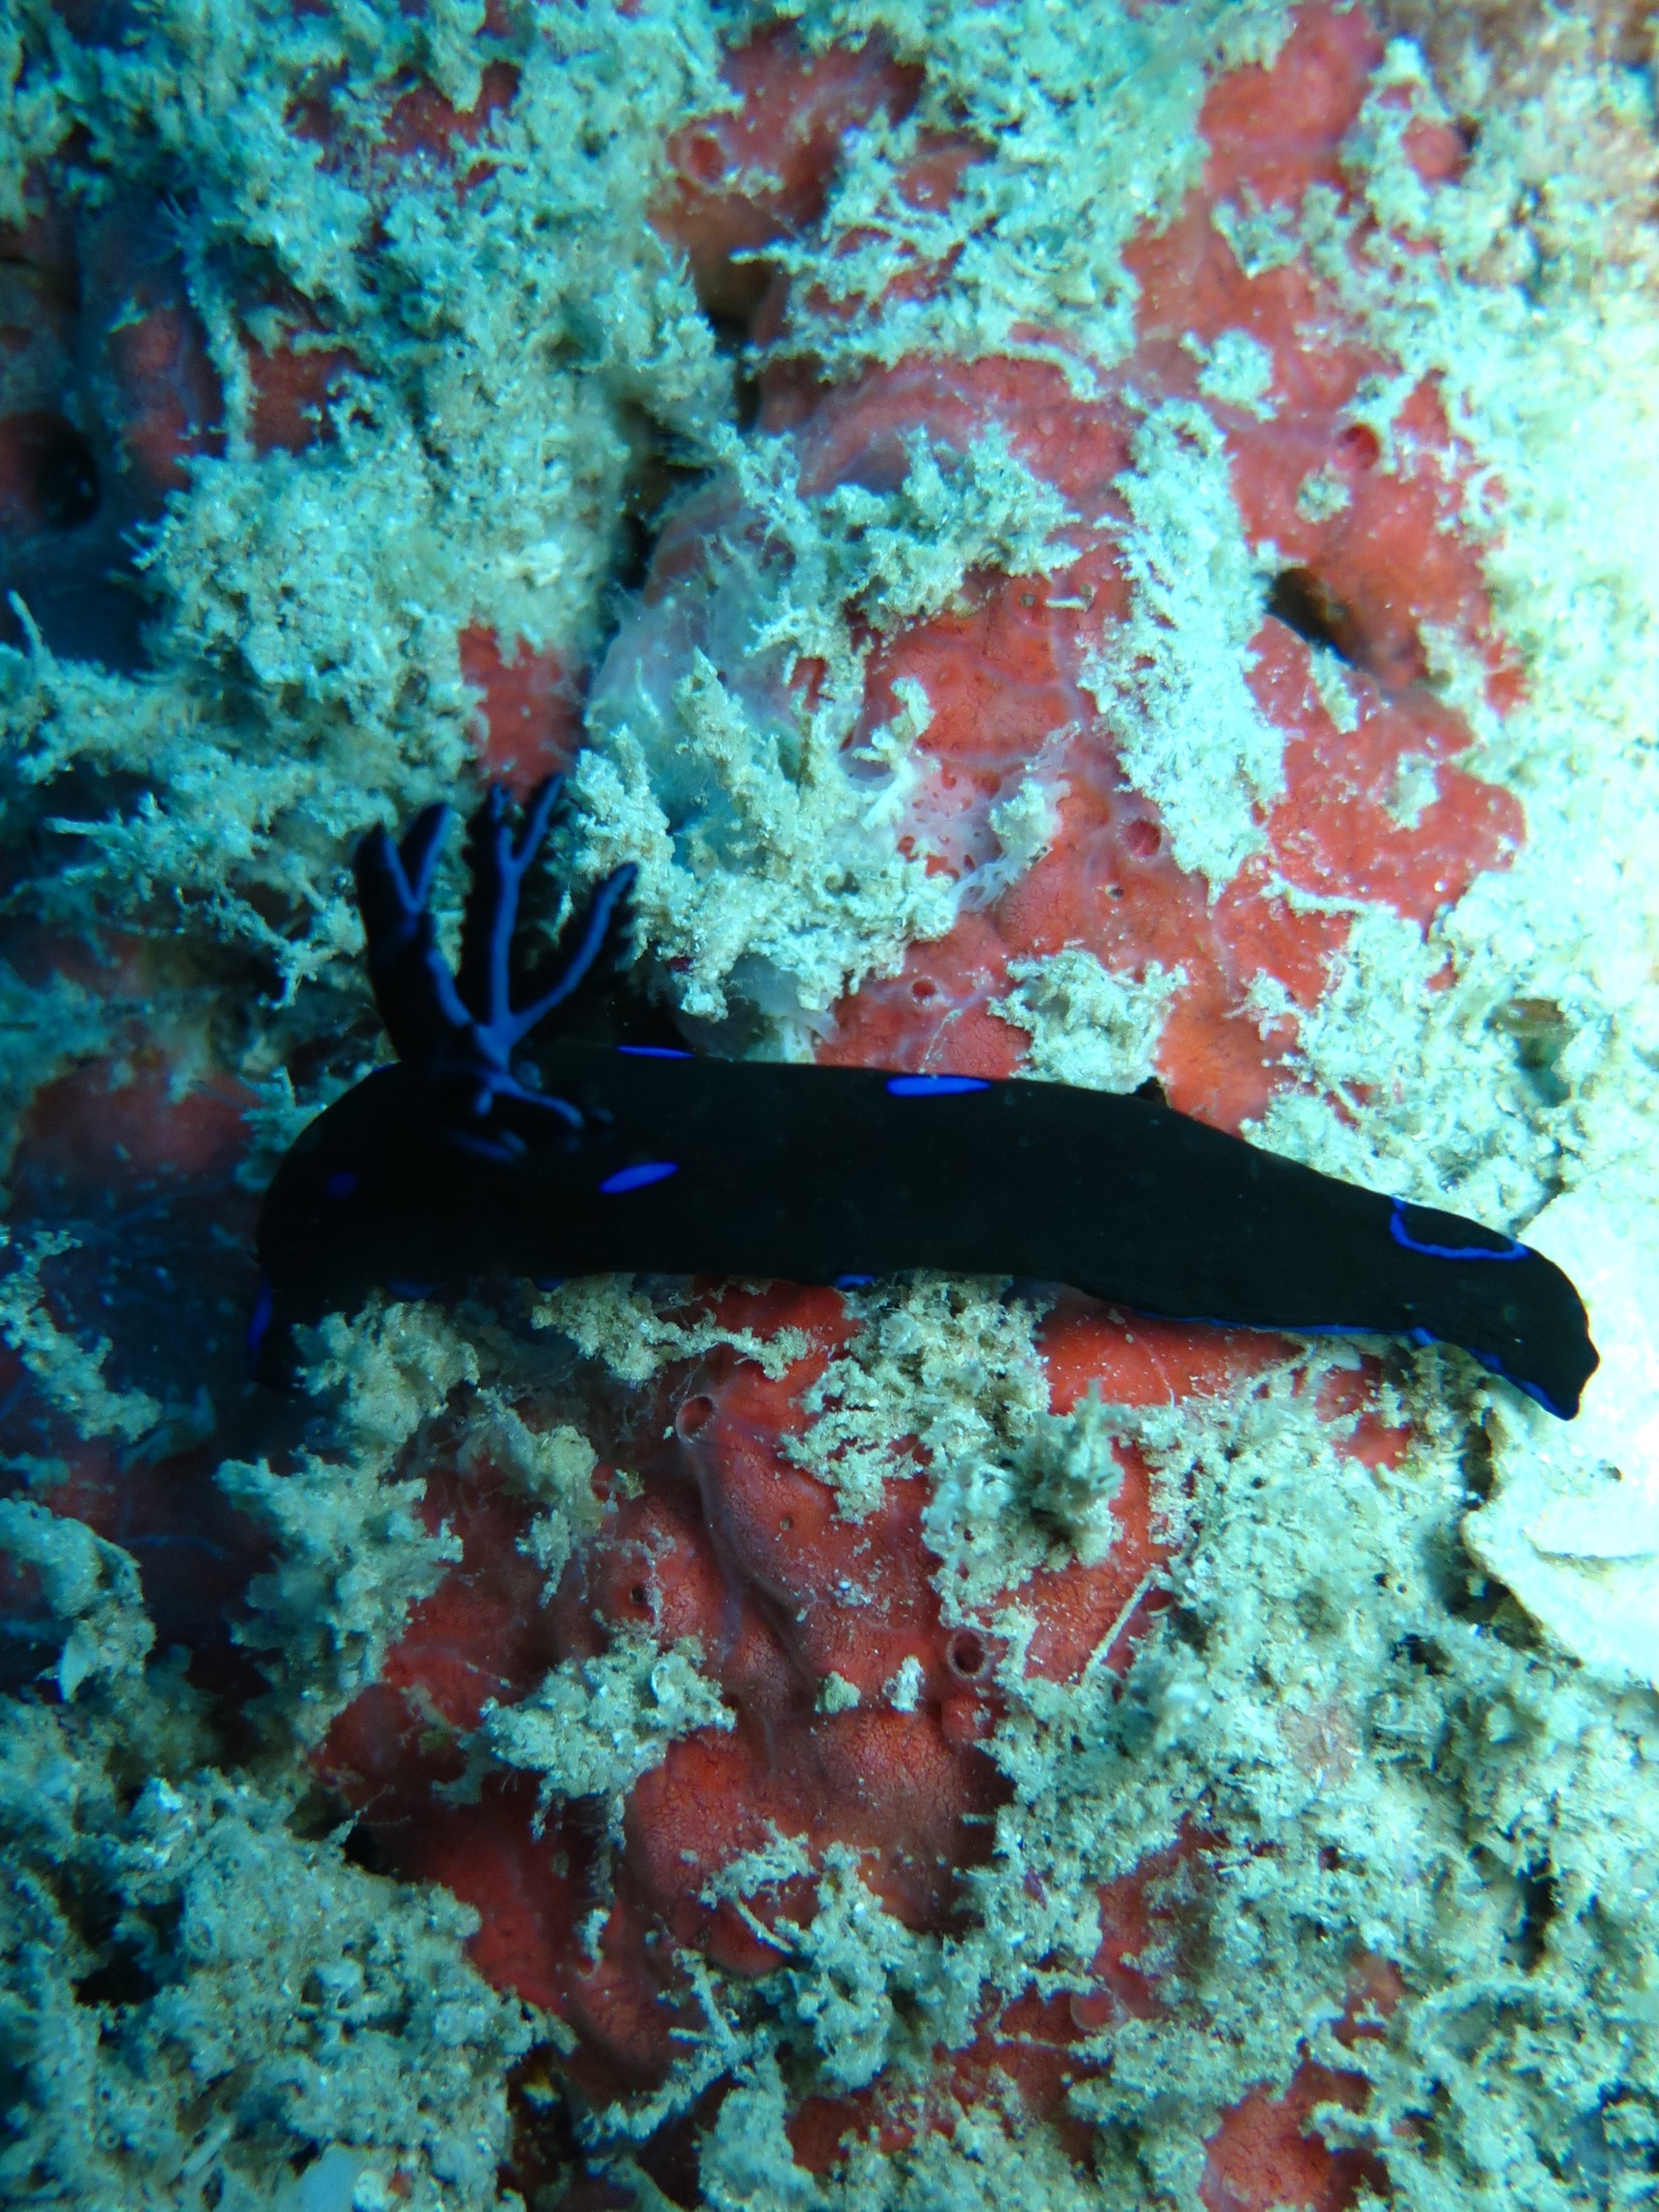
x,y
1114,543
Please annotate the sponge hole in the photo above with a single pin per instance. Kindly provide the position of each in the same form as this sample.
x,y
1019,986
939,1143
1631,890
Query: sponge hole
x,y
692,1417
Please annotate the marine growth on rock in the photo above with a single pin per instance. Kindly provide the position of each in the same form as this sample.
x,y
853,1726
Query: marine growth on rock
x,y
1115,547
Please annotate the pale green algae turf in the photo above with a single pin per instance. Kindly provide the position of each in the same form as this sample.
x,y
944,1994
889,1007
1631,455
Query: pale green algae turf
x,y
1419,1705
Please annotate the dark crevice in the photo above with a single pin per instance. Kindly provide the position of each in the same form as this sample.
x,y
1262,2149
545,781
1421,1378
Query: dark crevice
x,y
636,542
1477,1464
1474,1598
1305,605
365,1848
732,336
1420,1652
1538,1905
746,401
659,481
121,1980
1539,1033
50,469
1189,1627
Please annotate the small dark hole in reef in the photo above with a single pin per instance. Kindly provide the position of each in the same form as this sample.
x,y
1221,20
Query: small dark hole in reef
x,y
364,1848
1477,1468
1311,608
636,541
1142,838
694,1414
922,990
1539,1904
1488,1605
1539,1028
641,524
66,483
639,1595
121,1980
966,1657
54,468
1188,1627
1421,1653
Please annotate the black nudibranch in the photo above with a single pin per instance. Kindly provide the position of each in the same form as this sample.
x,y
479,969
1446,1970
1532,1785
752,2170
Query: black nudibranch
x,y
642,1156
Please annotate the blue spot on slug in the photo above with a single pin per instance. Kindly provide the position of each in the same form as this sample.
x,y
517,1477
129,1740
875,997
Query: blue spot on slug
x,y
1401,1234
648,1171
654,1052
340,1184
932,1086
259,1319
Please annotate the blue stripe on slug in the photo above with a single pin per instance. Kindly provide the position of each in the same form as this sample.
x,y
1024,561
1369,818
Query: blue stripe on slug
x,y
648,1171
933,1086
1401,1234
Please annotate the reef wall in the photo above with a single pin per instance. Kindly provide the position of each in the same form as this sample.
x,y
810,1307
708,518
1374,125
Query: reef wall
x,y
1113,543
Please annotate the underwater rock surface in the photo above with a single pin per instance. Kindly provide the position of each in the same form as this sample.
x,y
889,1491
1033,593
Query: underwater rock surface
x,y
1115,544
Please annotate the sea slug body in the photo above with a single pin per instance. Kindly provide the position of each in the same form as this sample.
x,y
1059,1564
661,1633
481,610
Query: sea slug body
x,y
452,1164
